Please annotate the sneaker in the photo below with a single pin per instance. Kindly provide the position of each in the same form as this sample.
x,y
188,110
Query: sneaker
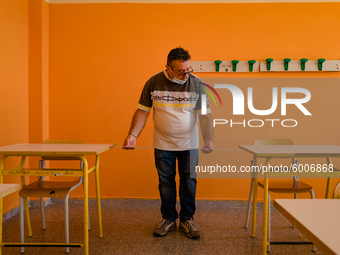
x,y
189,228
164,227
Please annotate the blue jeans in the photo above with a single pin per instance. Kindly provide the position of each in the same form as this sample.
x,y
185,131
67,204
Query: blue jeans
x,y
166,167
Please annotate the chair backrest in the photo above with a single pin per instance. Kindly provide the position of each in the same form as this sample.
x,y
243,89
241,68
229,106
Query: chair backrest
x,y
273,141
276,141
61,141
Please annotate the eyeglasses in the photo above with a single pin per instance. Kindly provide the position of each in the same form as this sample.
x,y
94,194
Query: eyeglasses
x,y
183,73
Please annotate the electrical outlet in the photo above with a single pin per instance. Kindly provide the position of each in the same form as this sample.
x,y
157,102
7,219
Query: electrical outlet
x,y
225,67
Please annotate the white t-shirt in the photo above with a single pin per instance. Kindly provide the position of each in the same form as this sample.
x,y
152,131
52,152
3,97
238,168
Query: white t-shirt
x,y
175,111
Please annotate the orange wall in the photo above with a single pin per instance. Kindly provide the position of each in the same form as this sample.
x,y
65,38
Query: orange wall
x,y
102,54
13,82
24,78
38,78
81,67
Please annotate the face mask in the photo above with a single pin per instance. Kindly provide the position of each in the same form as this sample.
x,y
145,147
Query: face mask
x,y
179,81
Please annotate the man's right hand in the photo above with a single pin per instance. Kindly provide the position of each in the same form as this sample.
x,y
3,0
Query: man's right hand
x,y
129,143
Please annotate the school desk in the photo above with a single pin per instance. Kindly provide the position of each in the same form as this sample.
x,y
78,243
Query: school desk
x,y
316,219
270,152
54,150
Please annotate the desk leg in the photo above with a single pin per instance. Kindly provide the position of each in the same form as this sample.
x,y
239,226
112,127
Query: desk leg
x,y
265,208
328,190
99,209
1,212
86,206
1,199
329,181
27,212
253,228
265,215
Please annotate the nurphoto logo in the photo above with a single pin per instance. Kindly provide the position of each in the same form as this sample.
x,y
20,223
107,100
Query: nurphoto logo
x,y
239,104
204,97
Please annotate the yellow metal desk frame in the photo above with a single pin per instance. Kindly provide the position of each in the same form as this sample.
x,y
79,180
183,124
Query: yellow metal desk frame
x,y
6,189
55,150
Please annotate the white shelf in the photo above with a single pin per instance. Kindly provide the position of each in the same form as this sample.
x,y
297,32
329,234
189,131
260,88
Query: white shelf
x,y
224,67
276,66
295,66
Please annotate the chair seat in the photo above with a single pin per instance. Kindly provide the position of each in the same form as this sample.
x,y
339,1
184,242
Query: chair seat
x,y
47,189
290,186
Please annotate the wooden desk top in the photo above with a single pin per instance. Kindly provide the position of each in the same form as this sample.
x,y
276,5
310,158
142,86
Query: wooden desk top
x,y
317,219
40,149
293,150
6,189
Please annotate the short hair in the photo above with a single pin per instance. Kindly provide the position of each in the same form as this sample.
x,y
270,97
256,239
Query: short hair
x,y
178,54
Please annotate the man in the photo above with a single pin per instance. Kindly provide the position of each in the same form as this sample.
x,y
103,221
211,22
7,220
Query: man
x,y
175,95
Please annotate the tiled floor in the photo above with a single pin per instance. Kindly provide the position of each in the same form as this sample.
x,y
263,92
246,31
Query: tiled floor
x,y
128,226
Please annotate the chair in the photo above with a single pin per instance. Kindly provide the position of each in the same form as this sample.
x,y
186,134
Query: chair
x,y
293,186
336,193
42,188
